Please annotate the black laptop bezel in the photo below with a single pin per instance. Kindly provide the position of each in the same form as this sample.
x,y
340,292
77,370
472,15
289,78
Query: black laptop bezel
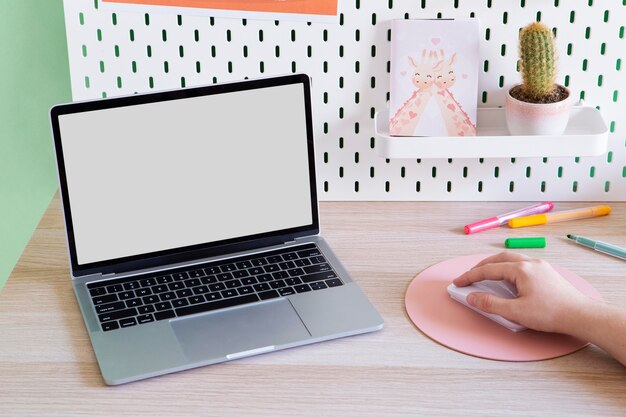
x,y
193,252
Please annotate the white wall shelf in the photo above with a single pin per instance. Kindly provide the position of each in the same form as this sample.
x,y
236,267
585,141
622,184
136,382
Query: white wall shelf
x,y
586,135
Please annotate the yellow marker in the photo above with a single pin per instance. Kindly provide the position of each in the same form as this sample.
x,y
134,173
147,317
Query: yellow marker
x,y
560,216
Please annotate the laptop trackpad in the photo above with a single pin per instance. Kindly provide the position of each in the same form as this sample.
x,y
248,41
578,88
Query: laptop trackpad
x,y
219,334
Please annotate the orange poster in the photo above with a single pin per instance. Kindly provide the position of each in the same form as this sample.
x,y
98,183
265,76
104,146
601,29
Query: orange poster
x,y
269,9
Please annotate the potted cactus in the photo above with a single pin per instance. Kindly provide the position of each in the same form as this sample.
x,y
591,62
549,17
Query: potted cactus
x,y
537,106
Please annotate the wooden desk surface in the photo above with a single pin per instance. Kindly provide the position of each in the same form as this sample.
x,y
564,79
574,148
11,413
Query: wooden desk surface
x,y
47,366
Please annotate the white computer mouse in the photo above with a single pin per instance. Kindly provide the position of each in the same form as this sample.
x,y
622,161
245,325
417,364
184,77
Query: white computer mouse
x,y
502,289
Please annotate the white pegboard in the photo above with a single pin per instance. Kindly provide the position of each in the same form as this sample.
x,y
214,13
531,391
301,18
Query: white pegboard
x,y
116,53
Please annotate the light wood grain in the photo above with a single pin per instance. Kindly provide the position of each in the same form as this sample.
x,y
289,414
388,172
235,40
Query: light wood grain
x,y
47,366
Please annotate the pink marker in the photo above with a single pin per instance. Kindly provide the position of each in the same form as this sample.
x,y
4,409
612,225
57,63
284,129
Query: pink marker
x,y
504,218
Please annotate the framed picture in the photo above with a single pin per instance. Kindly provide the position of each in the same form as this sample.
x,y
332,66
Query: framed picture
x,y
434,77
309,10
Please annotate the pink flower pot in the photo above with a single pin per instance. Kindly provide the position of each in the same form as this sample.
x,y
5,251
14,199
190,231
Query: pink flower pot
x,y
524,118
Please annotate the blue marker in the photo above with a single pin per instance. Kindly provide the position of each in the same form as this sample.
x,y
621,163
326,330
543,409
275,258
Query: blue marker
x,y
600,246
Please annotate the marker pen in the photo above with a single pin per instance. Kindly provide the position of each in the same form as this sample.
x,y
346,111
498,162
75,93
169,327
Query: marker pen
x,y
503,218
560,216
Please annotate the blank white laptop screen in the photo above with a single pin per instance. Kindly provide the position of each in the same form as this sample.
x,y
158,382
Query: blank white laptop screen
x,y
158,176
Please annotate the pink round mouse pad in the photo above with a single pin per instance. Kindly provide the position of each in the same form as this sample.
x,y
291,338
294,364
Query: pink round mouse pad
x,y
453,325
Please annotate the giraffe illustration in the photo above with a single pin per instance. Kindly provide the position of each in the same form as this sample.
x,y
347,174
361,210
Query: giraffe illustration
x,y
457,121
405,120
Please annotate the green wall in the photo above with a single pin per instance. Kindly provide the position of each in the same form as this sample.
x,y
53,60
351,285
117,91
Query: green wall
x,y
34,75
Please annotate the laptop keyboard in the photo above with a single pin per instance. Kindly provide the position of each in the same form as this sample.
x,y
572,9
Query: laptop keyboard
x,y
131,301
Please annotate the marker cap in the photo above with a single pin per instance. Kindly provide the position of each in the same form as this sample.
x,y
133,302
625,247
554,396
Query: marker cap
x,y
525,242
482,225
533,220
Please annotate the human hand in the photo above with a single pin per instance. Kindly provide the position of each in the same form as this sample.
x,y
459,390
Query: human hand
x,y
546,301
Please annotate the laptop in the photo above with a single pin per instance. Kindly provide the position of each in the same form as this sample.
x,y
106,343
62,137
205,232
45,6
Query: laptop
x,y
193,227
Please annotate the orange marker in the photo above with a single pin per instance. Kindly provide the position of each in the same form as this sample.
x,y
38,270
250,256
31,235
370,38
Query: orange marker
x,y
560,216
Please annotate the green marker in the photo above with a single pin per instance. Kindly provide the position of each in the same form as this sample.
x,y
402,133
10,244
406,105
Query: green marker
x,y
600,246
525,242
